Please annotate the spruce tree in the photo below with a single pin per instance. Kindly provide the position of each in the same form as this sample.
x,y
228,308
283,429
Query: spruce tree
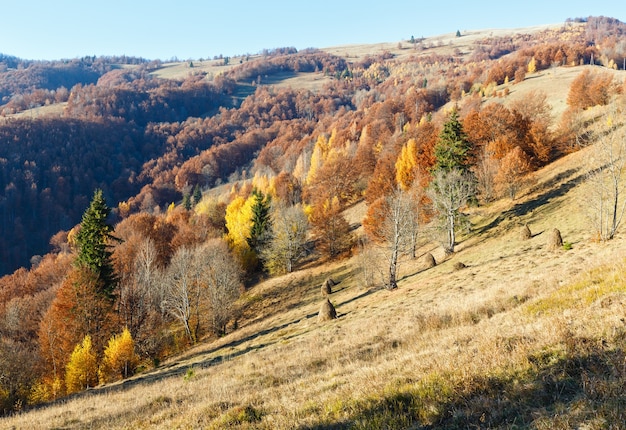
x,y
197,194
186,202
453,149
261,222
92,242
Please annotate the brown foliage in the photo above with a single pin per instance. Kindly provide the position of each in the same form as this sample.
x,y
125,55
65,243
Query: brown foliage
x,y
288,188
330,229
590,89
513,168
382,182
76,311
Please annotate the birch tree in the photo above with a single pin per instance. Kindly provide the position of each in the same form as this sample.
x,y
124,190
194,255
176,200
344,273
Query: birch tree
x,y
605,184
392,222
290,227
450,191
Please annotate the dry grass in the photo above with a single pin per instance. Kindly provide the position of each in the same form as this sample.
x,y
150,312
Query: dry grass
x,y
521,337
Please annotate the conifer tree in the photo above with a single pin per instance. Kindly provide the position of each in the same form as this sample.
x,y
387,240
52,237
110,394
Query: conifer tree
x,y
197,195
92,242
453,148
186,202
261,223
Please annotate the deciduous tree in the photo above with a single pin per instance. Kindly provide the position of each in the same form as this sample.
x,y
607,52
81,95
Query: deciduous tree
x,y
120,359
238,220
81,371
330,229
513,168
393,223
450,191
290,227
606,187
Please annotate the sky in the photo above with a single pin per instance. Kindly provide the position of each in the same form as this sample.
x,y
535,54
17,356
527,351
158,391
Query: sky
x,y
194,29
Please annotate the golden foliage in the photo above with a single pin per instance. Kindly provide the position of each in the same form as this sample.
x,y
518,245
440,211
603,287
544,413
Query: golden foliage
x,y
406,164
81,371
120,359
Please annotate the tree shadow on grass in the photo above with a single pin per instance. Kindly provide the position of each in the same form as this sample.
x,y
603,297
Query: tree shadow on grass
x,y
588,381
554,191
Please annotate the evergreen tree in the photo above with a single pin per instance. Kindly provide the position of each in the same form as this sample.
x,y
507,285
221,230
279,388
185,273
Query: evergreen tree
x,y
197,195
261,228
92,242
186,202
453,149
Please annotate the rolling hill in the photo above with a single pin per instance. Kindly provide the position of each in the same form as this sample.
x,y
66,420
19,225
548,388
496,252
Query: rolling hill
x,y
504,333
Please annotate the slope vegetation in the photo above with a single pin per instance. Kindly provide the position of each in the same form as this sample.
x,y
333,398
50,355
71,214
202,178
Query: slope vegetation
x,y
518,336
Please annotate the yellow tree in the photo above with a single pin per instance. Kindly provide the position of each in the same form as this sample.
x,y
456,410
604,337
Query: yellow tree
x,y
120,359
532,65
239,223
406,165
81,372
320,151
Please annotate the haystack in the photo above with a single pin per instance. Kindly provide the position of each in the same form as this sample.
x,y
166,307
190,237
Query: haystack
x,y
525,233
555,241
327,312
428,261
327,287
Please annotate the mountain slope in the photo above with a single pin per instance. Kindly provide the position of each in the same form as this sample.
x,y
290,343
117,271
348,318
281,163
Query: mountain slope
x,y
521,336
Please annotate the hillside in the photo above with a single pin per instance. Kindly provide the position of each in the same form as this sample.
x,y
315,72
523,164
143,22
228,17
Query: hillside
x,y
522,336
227,191
447,345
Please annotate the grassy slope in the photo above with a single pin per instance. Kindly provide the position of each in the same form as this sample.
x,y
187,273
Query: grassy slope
x,y
523,335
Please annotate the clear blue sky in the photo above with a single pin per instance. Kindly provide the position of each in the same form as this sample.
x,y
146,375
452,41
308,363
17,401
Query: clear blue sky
x,y
192,29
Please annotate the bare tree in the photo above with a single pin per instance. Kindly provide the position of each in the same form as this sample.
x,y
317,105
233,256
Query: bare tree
x,y
203,284
368,260
606,187
450,191
221,279
183,289
398,230
290,227
138,294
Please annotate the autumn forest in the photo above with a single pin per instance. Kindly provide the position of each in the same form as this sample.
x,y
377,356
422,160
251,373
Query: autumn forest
x,y
136,209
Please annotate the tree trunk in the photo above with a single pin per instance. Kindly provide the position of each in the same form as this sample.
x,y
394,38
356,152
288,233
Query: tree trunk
x,y
451,233
393,267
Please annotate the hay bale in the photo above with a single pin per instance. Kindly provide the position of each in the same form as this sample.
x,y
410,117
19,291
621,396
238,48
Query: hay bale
x,y
428,261
327,312
327,287
525,233
555,241
459,265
